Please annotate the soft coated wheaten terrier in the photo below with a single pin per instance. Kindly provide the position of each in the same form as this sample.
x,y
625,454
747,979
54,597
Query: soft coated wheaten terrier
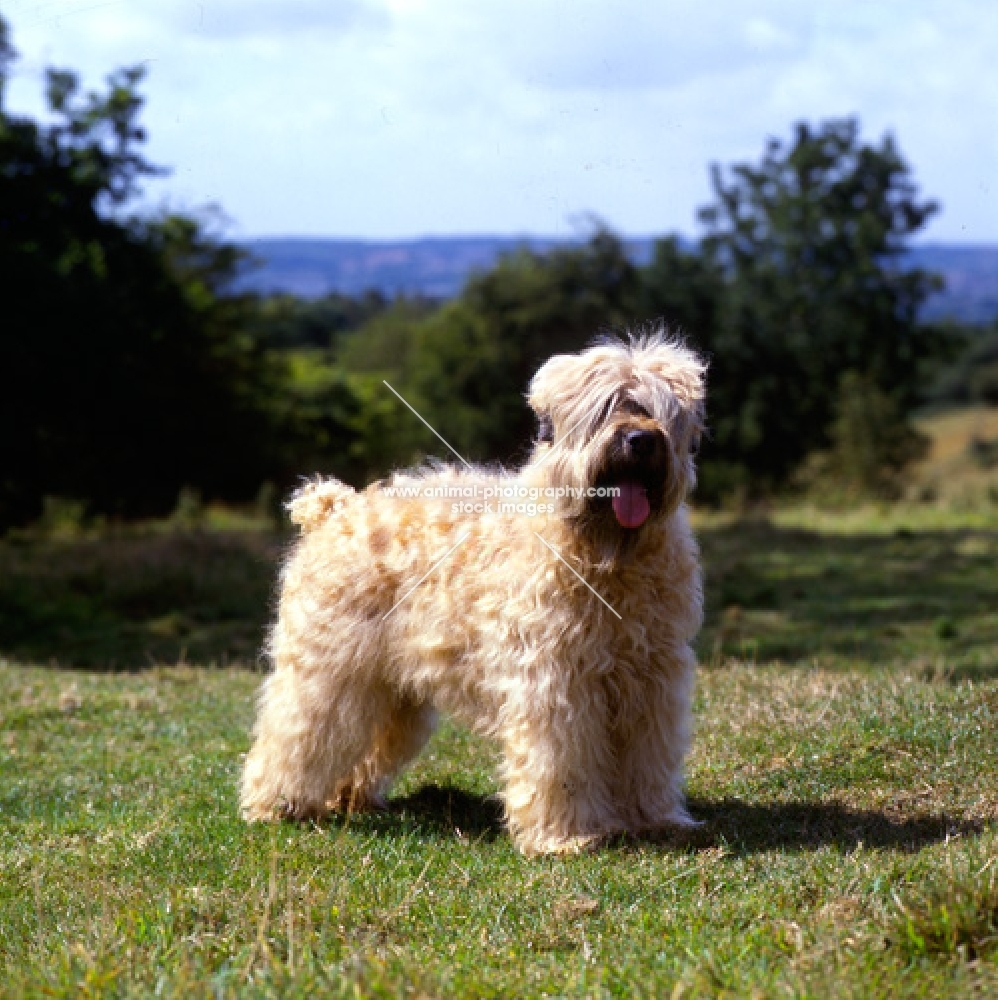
x,y
551,609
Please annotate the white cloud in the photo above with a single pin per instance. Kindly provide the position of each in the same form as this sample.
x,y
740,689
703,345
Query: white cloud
x,y
234,19
212,18
639,45
354,117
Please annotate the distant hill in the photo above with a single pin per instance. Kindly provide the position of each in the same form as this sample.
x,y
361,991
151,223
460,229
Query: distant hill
x,y
438,267
971,276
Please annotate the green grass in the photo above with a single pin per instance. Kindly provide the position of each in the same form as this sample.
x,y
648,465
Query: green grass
x,y
872,587
844,765
837,807
131,600
829,593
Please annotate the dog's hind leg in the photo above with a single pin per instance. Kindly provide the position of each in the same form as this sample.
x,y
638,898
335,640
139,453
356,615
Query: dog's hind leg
x,y
313,729
403,732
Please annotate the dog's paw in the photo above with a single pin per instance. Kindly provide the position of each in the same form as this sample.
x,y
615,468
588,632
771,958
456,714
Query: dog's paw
x,y
680,819
351,798
672,817
565,845
257,814
298,811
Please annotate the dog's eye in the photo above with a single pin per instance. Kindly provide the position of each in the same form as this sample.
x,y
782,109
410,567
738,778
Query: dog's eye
x,y
545,430
636,409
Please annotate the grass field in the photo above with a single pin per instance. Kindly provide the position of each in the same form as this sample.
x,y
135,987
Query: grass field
x,y
844,764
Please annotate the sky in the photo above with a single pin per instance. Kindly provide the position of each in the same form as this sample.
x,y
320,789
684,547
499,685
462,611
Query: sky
x,y
402,118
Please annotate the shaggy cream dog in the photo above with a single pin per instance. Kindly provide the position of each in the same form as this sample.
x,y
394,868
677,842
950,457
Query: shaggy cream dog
x,y
551,610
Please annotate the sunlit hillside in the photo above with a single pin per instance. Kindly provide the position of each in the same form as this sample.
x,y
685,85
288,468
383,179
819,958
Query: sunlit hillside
x,y
962,464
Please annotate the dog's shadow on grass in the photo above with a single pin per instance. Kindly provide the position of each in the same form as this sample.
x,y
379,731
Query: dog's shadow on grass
x,y
443,811
740,826
747,827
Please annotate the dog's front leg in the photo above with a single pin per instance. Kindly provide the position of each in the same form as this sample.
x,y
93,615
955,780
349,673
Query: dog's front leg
x,y
559,771
656,738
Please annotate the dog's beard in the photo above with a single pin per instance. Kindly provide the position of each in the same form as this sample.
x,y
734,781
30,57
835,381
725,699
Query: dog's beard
x,y
632,491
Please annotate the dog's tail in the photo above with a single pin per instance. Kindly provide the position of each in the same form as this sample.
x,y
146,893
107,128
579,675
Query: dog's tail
x,y
315,501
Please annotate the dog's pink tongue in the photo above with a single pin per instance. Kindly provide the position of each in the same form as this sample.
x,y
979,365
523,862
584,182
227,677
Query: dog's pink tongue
x,y
631,506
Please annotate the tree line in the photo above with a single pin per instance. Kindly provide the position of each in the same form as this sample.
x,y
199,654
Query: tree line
x,y
132,370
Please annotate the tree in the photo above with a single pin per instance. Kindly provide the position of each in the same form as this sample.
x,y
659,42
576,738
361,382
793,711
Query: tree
x,y
128,368
811,244
683,288
474,358
871,444
972,376
290,323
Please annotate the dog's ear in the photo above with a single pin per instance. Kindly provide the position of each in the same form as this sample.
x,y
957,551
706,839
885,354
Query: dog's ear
x,y
684,374
681,369
678,376
548,386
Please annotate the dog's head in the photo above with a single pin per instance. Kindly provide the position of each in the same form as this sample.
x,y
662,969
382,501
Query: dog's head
x,y
622,422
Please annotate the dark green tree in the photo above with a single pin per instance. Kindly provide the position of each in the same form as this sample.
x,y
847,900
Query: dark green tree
x,y
871,444
972,376
811,242
683,289
474,359
128,369
287,322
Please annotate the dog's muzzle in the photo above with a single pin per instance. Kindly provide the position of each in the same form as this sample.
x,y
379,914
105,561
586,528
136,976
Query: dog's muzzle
x,y
636,472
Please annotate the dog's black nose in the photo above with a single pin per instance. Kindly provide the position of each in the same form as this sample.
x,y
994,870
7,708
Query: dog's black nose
x,y
640,443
